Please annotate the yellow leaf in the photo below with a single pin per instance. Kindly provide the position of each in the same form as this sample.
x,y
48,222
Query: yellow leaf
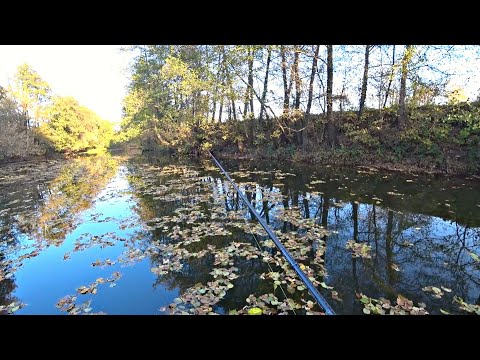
x,y
255,311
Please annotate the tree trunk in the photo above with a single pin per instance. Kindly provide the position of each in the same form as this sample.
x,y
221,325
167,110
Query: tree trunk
x,y
330,134
296,76
248,90
233,110
402,110
215,91
265,84
312,80
250,81
220,110
286,94
390,79
363,95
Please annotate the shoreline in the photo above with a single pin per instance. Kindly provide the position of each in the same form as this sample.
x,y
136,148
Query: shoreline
x,y
327,158
323,158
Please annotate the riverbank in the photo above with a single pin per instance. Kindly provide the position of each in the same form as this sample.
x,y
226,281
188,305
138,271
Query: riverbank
x,y
32,158
435,140
345,157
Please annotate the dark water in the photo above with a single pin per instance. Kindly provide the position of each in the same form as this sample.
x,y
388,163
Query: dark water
x,y
153,237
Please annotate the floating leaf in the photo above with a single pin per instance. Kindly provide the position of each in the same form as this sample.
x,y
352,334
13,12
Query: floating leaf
x,y
335,296
255,311
325,286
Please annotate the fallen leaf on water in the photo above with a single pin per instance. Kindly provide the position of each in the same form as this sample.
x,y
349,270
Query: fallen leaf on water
x,y
254,311
335,296
83,290
326,286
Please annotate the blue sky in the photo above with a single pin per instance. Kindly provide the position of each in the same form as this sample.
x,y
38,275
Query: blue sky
x,y
96,75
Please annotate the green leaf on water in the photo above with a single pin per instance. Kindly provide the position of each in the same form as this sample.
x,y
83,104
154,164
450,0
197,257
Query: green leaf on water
x,y
255,311
325,286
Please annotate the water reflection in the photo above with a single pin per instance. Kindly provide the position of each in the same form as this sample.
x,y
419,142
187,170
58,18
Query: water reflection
x,y
413,233
40,205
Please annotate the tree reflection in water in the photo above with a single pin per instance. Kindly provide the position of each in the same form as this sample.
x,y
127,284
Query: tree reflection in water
x,y
409,250
183,221
40,205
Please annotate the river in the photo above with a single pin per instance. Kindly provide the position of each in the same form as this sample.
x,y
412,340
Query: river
x,y
128,235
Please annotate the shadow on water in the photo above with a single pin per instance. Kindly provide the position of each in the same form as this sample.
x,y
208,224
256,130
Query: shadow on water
x,y
121,235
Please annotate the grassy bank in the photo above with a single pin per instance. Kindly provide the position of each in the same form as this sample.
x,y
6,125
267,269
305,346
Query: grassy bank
x,y
436,139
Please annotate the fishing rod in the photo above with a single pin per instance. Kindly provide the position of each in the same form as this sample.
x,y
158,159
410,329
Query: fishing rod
x,y
311,288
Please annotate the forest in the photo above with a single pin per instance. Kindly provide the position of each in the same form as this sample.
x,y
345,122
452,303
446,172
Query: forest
x,y
398,107
36,122
390,106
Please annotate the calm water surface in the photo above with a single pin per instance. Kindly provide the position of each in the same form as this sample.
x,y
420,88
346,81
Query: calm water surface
x,y
122,235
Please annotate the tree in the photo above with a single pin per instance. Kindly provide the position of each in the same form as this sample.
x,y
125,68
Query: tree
x,y
265,83
402,110
286,86
390,77
72,127
312,79
32,93
330,134
296,76
363,93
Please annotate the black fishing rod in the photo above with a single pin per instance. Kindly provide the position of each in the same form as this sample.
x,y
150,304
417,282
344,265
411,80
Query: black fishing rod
x,y
313,290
